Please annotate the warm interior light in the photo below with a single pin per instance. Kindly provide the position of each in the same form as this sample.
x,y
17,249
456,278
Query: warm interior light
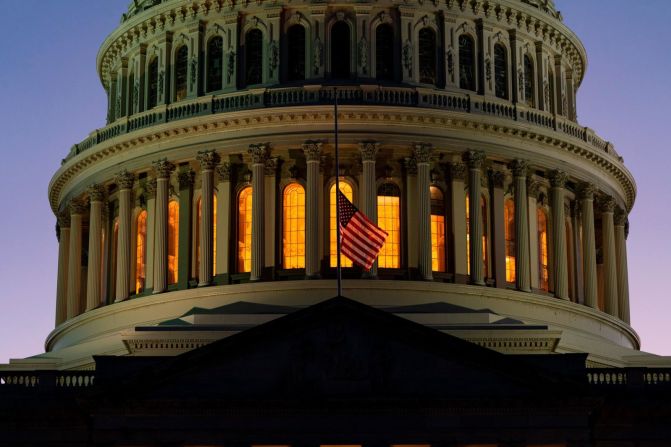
x,y
293,230
173,241
245,230
141,252
389,219
346,189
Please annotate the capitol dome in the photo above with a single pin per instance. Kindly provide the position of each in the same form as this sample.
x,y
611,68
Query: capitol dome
x,y
205,206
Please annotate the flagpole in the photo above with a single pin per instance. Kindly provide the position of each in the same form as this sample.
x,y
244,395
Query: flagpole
x,y
337,163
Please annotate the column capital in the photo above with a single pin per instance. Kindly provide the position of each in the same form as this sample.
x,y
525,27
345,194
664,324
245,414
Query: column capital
x,y
498,178
258,152
270,166
96,193
163,168
208,160
475,159
519,167
587,191
77,206
224,170
186,178
369,150
458,171
410,164
620,217
422,152
63,219
533,188
607,204
312,150
150,186
125,179
558,178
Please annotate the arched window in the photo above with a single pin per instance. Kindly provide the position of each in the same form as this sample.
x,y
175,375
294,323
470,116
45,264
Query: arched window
x,y
500,71
529,81
427,56
296,53
483,211
215,63
254,57
173,241
466,62
389,219
437,229
384,52
141,252
181,68
551,91
131,93
214,233
293,229
340,51
152,83
346,189
245,230
509,234
543,270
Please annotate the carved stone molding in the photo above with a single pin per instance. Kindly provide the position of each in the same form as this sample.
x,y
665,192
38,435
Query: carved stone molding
x,y
150,187
96,193
63,219
125,179
369,150
533,188
498,178
258,152
77,206
186,178
587,191
410,165
457,171
607,204
270,166
620,217
163,168
224,171
558,179
422,152
475,159
312,150
208,160
519,167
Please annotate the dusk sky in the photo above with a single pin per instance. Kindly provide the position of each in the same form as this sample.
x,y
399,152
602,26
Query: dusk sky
x,y
52,98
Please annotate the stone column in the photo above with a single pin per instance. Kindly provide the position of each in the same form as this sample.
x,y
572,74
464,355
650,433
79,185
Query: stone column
x,y
411,209
270,213
533,188
312,150
369,151
475,160
558,182
458,219
208,162
223,218
609,256
163,168
93,284
259,153
186,177
522,272
150,194
622,270
63,255
77,209
123,259
498,228
588,245
422,153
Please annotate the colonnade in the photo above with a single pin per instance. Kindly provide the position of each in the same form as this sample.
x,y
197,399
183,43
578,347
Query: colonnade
x,y
470,171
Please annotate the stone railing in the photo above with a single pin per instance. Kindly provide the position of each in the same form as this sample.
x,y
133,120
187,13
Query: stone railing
x,y
46,379
629,377
347,95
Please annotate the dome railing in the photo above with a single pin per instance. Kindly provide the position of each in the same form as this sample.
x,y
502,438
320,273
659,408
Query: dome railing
x,y
347,95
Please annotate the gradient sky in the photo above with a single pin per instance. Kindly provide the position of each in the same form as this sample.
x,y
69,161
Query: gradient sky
x,y
52,98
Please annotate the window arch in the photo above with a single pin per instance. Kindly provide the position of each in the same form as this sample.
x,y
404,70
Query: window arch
x,y
509,234
466,62
389,219
529,81
141,252
427,56
199,218
173,241
181,68
293,228
543,269
244,252
131,93
152,83
215,63
437,229
500,71
483,212
346,189
296,53
384,52
340,50
254,57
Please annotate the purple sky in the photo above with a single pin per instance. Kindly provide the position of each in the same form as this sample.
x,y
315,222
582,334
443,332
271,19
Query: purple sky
x,y
52,98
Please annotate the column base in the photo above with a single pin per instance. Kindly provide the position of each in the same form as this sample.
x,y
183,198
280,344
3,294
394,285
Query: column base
x,y
314,276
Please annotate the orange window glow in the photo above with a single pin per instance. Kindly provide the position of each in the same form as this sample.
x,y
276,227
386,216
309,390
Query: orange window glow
x,y
346,189
437,230
389,219
509,220
293,230
173,241
543,271
245,230
141,252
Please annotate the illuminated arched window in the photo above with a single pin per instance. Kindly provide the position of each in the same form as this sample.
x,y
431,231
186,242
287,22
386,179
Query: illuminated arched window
x,y
427,56
543,270
466,62
384,52
181,69
509,230
500,71
173,241
437,230
131,93
389,219
152,83
483,211
254,57
245,230
215,63
340,51
346,189
141,252
296,53
529,82
214,233
293,228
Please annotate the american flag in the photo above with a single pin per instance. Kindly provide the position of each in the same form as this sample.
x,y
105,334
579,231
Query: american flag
x,y
360,239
